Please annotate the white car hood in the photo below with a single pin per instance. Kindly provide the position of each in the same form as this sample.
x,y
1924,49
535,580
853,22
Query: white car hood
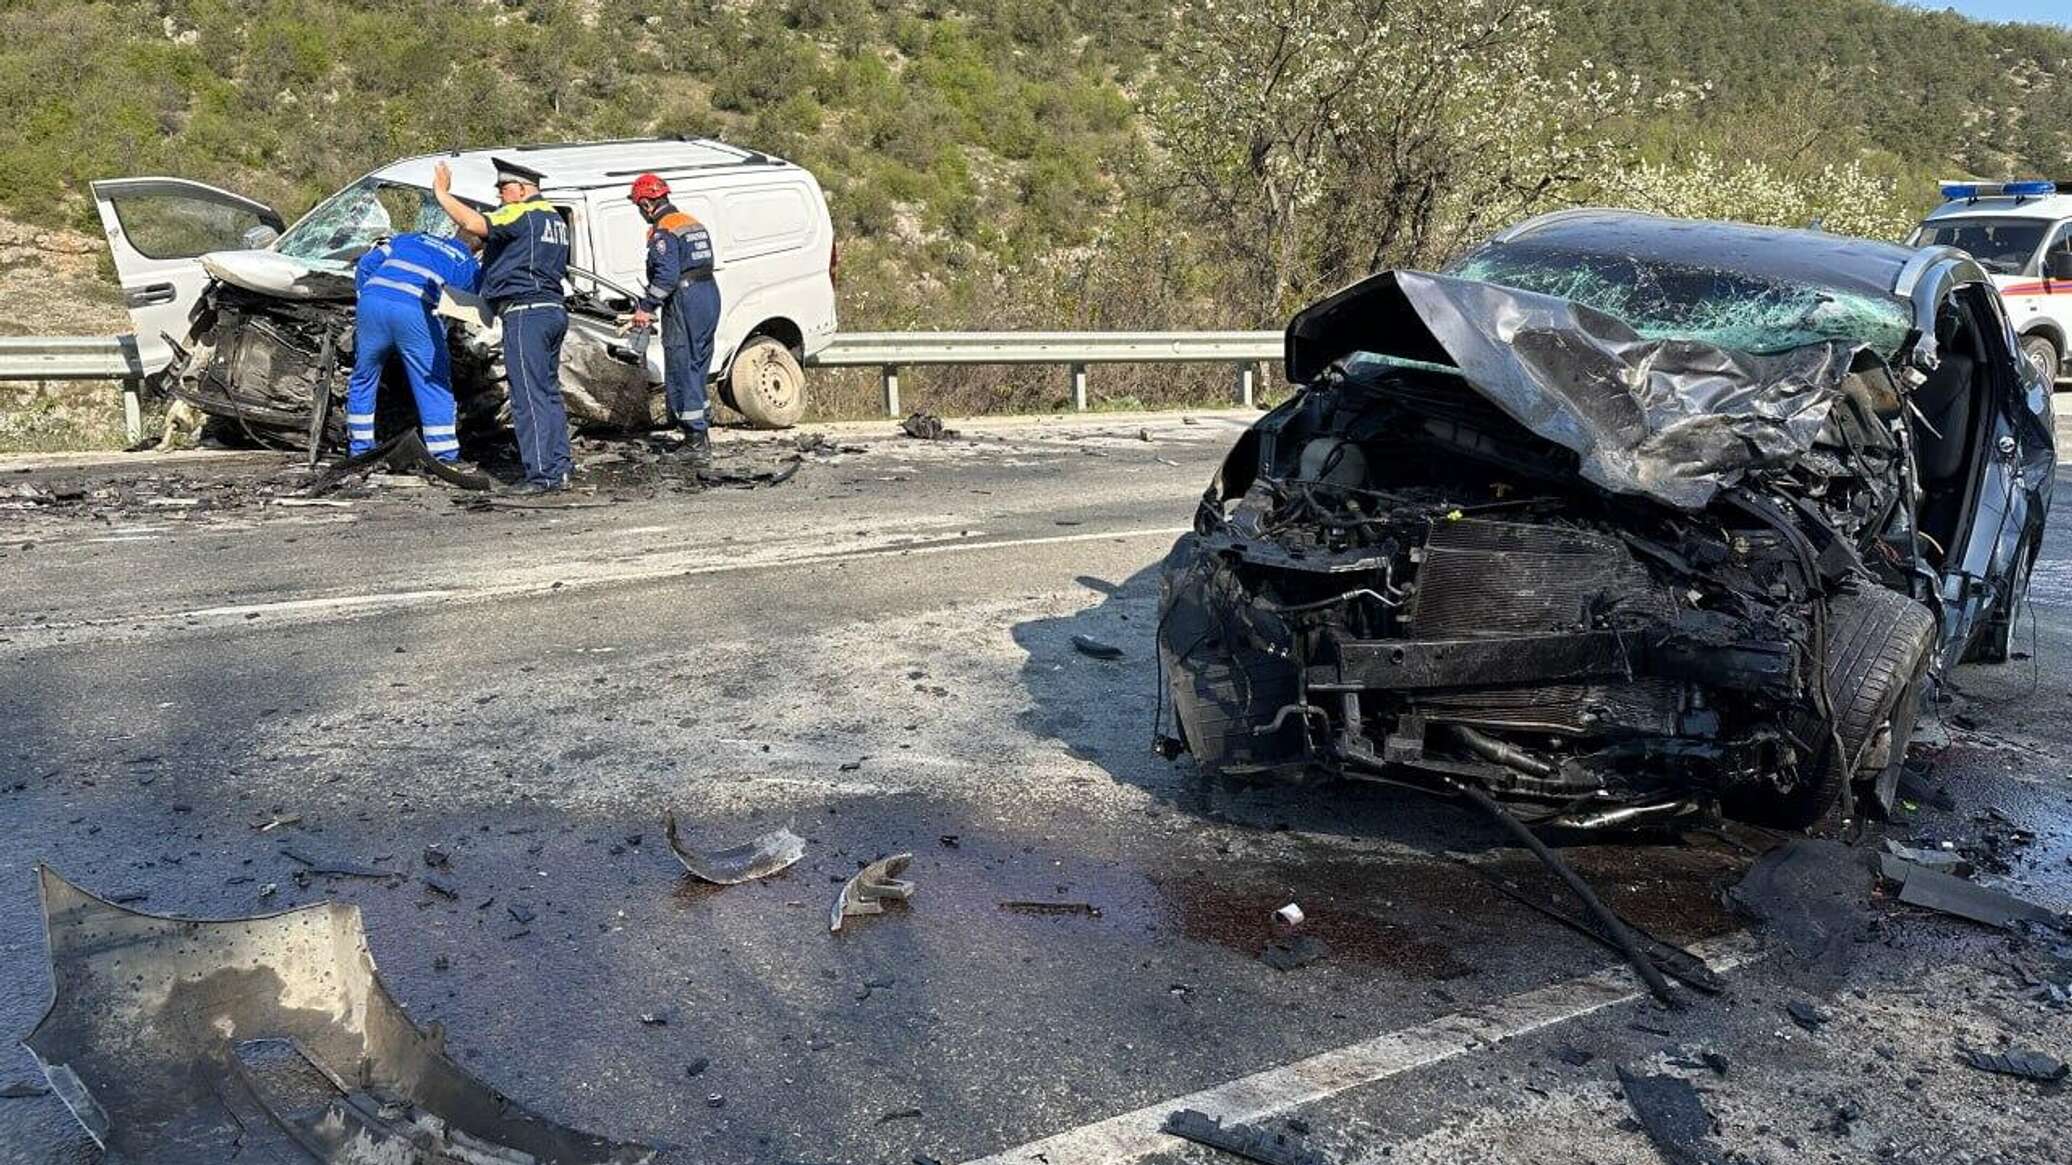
x,y
272,273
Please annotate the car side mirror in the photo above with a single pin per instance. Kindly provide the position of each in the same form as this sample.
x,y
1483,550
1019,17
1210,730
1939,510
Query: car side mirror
x,y
260,237
2058,266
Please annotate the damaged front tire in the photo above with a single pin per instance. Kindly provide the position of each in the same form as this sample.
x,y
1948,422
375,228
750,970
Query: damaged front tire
x,y
1878,646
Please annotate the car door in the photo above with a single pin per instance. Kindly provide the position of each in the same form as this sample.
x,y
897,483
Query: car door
x,y
157,229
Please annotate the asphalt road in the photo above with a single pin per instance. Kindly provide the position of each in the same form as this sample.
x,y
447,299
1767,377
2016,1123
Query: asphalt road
x,y
878,653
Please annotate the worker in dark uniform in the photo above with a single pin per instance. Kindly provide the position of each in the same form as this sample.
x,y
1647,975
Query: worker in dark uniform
x,y
524,259
681,292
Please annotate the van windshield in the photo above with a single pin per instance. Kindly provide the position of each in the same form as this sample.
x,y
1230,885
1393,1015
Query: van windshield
x,y
2003,246
344,225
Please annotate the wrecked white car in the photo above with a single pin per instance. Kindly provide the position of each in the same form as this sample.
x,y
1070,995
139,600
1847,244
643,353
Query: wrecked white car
x,y
1626,517
252,319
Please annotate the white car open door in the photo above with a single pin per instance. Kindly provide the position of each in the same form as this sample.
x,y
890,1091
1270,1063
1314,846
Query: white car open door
x,y
157,228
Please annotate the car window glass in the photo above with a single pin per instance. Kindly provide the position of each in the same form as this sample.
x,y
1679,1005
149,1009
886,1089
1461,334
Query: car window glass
x,y
2060,244
343,226
1729,309
2001,245
171,225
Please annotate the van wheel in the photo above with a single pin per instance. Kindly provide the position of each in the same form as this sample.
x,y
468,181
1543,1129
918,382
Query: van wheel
x,y
766,384
1878,646
2045,354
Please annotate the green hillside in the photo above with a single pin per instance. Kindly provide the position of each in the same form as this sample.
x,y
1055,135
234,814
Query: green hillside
x,y
1072,163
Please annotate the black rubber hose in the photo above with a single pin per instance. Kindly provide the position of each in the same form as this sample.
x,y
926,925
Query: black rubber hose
x,y
1614,926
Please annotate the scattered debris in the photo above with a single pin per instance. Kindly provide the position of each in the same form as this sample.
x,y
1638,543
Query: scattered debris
x,y
1289,916
440,887
697,1067
1947,861
1247,1141
1914,786
1811,893
1086,645
715,1101
1806,1015
304,503
278,823
275,1040
1672,1116
1920,886
758,858
1574,1057
520,913
335,869
926,427
436,857
23,1091
1025,907
867,890
900,1114
2022,1062
1299,951
655,1018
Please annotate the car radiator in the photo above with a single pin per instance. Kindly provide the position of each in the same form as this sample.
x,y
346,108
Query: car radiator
x,y
1485,579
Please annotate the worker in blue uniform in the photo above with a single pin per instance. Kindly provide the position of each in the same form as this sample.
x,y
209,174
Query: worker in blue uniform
x,y
524,261
681,292
399,282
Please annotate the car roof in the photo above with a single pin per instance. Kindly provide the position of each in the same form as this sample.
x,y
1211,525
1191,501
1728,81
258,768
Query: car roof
x,y
1814,258
2049,207
574,166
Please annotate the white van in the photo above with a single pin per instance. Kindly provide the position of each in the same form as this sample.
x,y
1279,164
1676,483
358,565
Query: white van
x,y
2021,233
177,244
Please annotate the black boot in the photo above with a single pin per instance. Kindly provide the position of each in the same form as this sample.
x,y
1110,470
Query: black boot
x,y
697,449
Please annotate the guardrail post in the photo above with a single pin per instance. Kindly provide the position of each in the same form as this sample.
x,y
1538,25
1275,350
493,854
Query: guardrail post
x,y
133,409
891,391
1244,384
1079,387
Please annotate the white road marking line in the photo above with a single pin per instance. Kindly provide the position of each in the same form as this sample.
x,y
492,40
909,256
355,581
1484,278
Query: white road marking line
x,y
542,582
1135,1134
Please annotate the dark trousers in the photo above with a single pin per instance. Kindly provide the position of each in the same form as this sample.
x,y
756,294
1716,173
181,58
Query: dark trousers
x,y
688,320
532,361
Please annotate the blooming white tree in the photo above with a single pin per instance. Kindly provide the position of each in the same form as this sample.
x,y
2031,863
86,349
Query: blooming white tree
x,y
1318,140
1843,198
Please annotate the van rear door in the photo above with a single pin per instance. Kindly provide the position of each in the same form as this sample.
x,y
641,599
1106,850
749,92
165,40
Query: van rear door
x,y
157,229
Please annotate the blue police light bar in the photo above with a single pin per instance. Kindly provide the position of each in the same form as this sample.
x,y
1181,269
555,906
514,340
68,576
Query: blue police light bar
x,y
2028,188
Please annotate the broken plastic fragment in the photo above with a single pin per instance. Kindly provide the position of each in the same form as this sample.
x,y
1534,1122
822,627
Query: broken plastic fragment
x,y
1248,1141
1086,645
866,891
1673,1116
2022,1062
264,1039
733,865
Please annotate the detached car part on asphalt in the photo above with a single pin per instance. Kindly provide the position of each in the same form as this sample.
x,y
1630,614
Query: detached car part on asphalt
x,y
269,1040
1626,514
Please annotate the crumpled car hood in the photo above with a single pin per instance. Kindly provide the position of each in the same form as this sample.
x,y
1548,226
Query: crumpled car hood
x,y
272,273
1671,420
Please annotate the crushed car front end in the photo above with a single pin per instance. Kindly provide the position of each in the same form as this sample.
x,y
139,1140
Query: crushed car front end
x,y
1500,538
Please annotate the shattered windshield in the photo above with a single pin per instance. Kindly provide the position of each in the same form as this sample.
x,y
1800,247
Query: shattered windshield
x,y
2003,246
1665,300
344,225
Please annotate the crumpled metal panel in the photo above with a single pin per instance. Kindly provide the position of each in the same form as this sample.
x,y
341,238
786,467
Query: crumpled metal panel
x,y
268,1040
1672,420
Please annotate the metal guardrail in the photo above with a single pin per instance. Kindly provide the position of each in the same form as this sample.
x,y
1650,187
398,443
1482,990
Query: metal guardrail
x,y
890,351
81,358
116,357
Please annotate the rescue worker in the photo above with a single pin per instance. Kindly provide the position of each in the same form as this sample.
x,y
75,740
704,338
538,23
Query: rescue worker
x,y
682,294
398,283
524,260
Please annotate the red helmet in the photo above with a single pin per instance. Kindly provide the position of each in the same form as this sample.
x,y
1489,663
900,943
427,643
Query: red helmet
x,y
648,187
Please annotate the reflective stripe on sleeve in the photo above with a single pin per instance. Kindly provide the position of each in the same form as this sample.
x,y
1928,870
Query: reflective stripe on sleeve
x,y
393,285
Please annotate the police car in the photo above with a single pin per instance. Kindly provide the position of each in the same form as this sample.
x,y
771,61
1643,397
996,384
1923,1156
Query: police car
x,y
251,317
2021,233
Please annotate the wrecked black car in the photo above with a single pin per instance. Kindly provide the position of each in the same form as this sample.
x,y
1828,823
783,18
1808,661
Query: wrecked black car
x,y
1624,517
